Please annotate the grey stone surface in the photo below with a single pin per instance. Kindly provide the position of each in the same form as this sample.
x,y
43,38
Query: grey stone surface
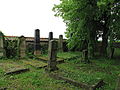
x,y
52,56
60,43
22,47
50,36
2,50
17,71
37,42
85,56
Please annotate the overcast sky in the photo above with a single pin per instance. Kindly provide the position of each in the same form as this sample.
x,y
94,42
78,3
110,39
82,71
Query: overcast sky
x,y
22,17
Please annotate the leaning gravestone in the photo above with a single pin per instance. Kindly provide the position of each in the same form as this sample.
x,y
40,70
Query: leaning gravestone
x,y
2,50
52,56
22,47
37,42
60,43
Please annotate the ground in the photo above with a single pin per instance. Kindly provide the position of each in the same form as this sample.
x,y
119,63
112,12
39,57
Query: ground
x,y
38,79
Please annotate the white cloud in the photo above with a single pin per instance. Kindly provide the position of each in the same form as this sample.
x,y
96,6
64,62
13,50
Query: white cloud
x,y
22,17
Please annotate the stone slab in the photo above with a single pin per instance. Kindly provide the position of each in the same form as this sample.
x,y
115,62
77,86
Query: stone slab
x,y
16,71
73,82
10,65
45,59
79,84
35,63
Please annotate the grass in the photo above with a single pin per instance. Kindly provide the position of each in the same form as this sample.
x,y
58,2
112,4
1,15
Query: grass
x,y
91,73
35,79
38,79
66,55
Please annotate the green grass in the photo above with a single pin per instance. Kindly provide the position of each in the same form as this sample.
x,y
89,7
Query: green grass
x,y
66,55
35,79
38,79
93,72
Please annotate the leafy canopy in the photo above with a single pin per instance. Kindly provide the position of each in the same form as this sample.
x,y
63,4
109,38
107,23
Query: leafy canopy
x,y
86,18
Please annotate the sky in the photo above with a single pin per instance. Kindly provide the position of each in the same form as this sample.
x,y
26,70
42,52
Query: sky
x,y
22,17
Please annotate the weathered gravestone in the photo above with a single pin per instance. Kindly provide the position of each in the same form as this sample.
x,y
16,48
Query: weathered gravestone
x,y
85,56
60,43
22,47
50,36
37,42
52,56
2,50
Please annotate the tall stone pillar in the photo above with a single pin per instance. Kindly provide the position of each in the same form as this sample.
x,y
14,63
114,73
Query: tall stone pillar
x,y
22,47
2,50
60,43
37,42
52,56
50,36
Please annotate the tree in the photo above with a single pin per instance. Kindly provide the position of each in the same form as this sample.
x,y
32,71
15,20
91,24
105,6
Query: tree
x,y
88,19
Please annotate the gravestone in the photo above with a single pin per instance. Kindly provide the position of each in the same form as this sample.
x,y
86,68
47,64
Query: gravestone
x,y
50,36
2,50
22,47
85,56
60,43
52,56
37,42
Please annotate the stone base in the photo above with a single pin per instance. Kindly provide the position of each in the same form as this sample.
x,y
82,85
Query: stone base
x,y
37,53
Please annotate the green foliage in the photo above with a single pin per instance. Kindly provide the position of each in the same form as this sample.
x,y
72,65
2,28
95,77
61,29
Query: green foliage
x,y
44,48
76,14
12,49
30,50
88,20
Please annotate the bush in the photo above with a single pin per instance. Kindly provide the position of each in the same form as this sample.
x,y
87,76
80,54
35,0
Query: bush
x,y
11,48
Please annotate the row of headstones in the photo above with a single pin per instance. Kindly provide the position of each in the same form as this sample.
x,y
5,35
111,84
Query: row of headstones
x,y
22,44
